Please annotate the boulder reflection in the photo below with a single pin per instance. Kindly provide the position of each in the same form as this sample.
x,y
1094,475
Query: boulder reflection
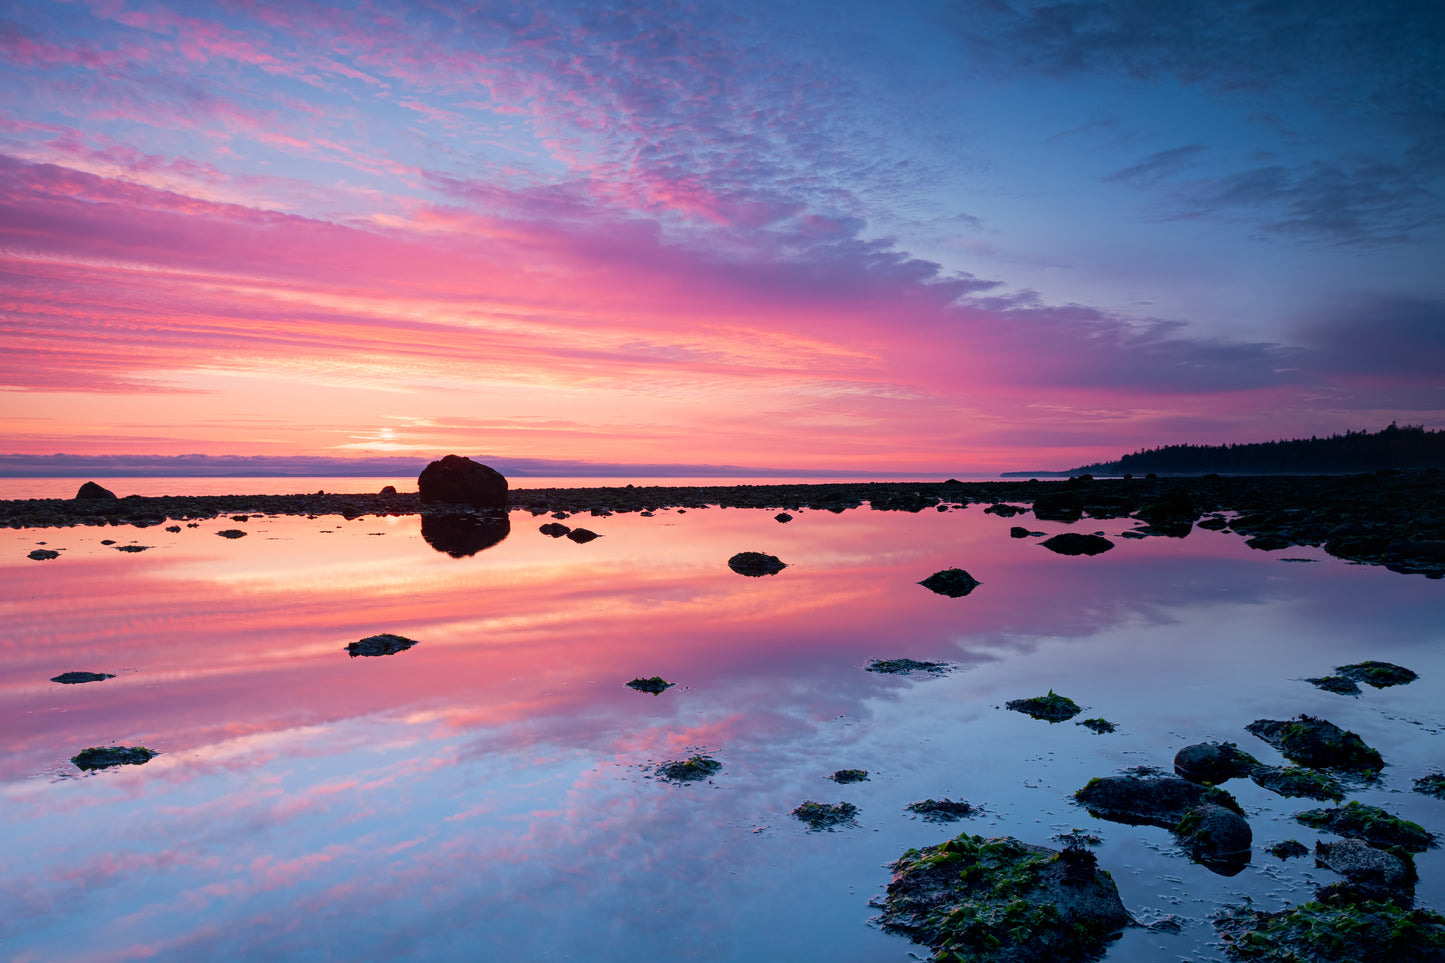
x,y
462,535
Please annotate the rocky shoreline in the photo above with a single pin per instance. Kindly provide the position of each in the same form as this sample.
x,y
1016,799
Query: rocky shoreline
x,y
1390,518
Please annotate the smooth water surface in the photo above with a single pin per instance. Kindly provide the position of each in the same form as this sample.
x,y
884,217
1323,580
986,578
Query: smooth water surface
x,y
489,793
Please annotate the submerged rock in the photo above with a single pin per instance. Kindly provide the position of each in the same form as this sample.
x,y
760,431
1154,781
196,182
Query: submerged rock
x,y
76,678
1077,543
1289,849
905,666
1334,931
694,769
1367,869
825,815
131,548
1380,675
986,900
1431,785
656,685
1317,743
91,492
953,582
460,481
755,564
1052,707
1298,781
1213,762
384,644
1100,726
1370,823
942,810
104,757
1337,684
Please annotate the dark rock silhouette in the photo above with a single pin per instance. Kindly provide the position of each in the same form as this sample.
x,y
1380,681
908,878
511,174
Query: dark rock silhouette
x,y
384,644
103,757
462,535
1318,743
91,492
582,535
756,564
1216,836
1213,762
457,480
1077,543
1059,506
554,529
75,678
953,582
43,554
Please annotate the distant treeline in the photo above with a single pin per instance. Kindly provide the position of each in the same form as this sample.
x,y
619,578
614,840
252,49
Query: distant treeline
x,y
1354,451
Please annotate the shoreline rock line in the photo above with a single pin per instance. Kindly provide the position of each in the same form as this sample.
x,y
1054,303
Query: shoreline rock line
x,y
1386,518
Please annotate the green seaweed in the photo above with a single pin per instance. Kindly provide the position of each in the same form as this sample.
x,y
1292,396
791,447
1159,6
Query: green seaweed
x,y
1380,675
1337,684
1298,781
825,815
1052,707
1099,725
850,775
1431,785
1335,929
689,770
1288,849
656,685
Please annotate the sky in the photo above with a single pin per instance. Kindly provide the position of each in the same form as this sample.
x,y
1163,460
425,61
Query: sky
x,y
865,237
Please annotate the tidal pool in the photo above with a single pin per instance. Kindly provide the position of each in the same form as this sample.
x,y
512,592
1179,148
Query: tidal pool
x,y
490,793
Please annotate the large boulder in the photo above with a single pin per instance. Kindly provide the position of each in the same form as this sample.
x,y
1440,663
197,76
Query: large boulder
x,y
460,481
1370,870
1215,835
1002,899
91,492
1147,797
1213,762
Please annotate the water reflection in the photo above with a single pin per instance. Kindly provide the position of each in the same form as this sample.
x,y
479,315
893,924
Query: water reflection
x,y
461,536
309,804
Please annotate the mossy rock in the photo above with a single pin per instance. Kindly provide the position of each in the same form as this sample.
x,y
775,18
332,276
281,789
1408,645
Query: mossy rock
x,y
905,666
1372,824
1380,675
656,685
1213,762
1218,836
825,815
845,776
384,644
1289,849
1298,781
953,582
1149,797
104,757
996,900
1334,931
1318,743
1099,725
694,769
942,810
1338,684
1052,707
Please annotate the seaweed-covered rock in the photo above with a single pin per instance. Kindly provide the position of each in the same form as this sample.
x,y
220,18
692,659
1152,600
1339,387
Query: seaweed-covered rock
x,y
1380,675
1077,543
104,757
1431,785
1059,506
1334,931
845,776
694,769
1317,743
1003,901
1367,869
1213,762
1370,823
1052,707
656,685
1148,797
91,492
825,815
1298,781
76,678
906,666
1337,684
755,564
42,554
1098,725
383,644
1289,849
456,480
1215,834
942,810
953,582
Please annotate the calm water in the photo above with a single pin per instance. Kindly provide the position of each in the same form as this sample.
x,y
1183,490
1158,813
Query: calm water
x,y
487,794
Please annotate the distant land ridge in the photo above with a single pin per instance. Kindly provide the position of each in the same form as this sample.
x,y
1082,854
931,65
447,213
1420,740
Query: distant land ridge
x,y
1354,451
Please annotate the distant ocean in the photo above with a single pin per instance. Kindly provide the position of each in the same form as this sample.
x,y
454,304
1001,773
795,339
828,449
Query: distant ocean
x,y
14,488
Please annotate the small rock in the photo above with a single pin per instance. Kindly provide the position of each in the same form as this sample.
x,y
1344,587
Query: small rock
x,y
231,533
1099,726
1431,785
845,776
952,582
582,535
825,815
1288,849
689,770
1077,543
755,564
173,528
783,517
1213,762
942,810
1051,707
905,666
131,548
656,685
554,529
384,644
1298,781
106,756
1337,684
43,554
1059,506
75,678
